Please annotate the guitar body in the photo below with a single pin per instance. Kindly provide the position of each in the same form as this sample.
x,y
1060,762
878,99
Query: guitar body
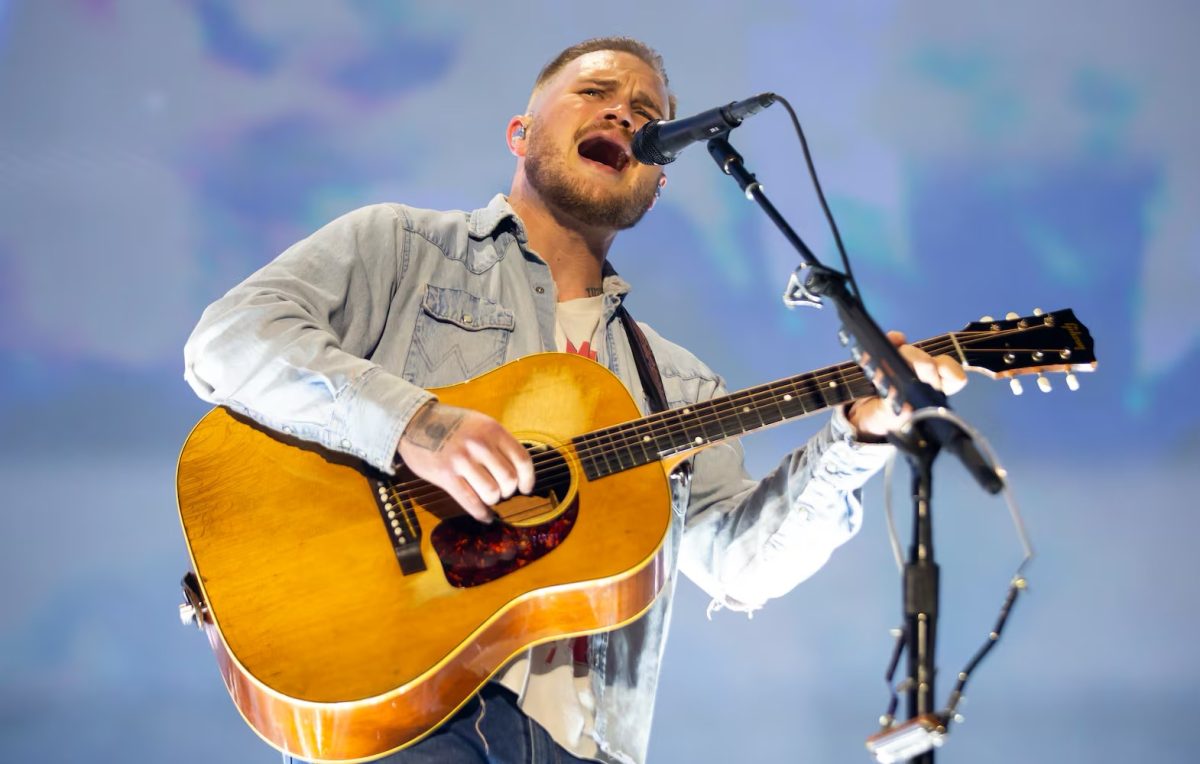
x,y
330,650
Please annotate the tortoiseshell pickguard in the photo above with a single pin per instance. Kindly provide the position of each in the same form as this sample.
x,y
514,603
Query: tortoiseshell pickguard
x,y
473,553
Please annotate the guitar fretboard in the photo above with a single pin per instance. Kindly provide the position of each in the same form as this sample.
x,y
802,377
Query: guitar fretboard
x,y
632,444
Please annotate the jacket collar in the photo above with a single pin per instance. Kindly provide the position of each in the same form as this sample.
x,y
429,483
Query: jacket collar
x,y
484,222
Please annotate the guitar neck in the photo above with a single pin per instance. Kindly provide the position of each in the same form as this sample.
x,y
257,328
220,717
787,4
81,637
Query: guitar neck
x,y
641,441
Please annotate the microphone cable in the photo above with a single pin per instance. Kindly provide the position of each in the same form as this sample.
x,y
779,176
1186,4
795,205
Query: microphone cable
x,y
812,171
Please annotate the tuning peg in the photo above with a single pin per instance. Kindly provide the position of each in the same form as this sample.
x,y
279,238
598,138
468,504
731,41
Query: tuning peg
x,y
1038,311
1043,383
986,319
1015,385
1010,316
1072,382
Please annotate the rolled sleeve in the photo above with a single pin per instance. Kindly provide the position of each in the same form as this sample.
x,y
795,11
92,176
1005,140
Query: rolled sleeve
x,y
749,541
286,347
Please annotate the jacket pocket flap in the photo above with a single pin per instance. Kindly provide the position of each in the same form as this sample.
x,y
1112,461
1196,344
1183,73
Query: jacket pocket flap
x,y
465,310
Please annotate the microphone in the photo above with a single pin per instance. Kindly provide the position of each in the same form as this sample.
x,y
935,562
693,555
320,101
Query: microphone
x,y
659,142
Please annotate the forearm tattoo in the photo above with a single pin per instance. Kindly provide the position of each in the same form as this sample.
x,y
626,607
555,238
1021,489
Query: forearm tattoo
x,y
432,426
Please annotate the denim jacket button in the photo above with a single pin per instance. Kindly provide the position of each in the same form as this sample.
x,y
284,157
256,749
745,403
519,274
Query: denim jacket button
x,y
539,290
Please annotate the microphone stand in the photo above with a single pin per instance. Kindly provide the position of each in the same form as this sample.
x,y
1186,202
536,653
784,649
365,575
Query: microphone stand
x,y
921,443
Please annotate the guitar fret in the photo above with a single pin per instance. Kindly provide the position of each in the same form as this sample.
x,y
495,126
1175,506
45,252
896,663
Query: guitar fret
x,y
820,390
727,421
644,439
693,430
744,410
599,454
778,399
790,403
860,387
834,391
589,455
620,450
624,448
710,422
675,431
611,451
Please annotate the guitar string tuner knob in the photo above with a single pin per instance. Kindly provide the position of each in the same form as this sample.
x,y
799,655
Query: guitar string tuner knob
x,y
1011,316
1043,383
985,319
1038,311
1015,385
1072,382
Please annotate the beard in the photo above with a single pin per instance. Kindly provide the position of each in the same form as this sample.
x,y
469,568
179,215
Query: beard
x,y
548,174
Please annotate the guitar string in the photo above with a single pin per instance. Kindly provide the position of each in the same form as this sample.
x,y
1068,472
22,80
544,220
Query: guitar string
x,y
938,345
636,430
654,424
634,433
595,446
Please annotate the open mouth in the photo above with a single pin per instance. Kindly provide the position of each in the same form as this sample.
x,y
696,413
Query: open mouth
x,y
605,151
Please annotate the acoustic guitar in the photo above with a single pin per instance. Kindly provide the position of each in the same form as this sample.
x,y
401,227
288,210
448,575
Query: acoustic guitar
x,y
352,612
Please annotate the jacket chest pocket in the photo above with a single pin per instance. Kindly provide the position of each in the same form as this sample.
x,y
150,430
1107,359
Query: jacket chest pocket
x,y
456,336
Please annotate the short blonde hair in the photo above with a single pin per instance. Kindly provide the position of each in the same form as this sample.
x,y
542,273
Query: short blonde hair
x,y
629,45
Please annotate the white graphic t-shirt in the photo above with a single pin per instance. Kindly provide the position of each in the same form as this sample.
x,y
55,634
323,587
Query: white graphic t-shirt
x,y
552,680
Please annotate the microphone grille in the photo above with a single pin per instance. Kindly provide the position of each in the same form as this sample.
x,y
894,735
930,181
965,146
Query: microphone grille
x,y
645,145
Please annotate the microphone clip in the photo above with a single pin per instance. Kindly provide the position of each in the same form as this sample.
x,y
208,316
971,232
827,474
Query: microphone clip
x,y
797,294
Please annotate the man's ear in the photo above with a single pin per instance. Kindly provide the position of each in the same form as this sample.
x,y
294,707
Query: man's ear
x,y
662,183
516,135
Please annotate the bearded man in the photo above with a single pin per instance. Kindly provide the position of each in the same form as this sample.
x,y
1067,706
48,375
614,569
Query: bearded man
x,y
339,340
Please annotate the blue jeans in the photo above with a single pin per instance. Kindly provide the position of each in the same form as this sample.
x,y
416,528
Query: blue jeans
x,y
488,730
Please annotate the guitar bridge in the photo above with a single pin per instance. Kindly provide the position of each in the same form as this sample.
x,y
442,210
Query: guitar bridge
x,y
403,527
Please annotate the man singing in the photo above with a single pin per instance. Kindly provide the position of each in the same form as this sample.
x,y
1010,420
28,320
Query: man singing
x,y
339,340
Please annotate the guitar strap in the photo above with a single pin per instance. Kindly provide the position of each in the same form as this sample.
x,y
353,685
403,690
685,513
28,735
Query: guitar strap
x,y
643,358
647,368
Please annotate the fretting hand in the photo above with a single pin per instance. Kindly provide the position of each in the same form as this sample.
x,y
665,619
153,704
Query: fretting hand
x,y
873,418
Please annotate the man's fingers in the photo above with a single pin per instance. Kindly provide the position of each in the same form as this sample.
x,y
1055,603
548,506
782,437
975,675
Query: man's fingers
x,y
498,464
954,377
875,417
923,364
469,455
462,493
520,459
480,479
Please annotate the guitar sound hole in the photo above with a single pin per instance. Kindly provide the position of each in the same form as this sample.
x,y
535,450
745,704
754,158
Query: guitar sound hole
x,y
526,528
551,486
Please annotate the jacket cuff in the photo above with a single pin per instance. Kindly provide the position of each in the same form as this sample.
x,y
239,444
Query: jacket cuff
x,y
374,415
841,431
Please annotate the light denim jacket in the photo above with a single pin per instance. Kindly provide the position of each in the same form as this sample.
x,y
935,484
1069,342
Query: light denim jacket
x,y
337,340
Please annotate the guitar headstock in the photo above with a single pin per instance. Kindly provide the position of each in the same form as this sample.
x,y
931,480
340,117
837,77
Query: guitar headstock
x,y
1040,343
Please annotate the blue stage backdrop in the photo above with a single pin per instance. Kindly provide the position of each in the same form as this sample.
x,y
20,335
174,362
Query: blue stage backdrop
x,y
981,158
